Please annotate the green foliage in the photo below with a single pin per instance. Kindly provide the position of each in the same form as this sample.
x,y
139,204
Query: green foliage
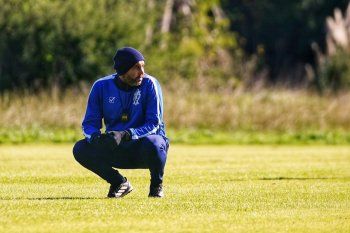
x,y
62,42
56,42
334,73
207,189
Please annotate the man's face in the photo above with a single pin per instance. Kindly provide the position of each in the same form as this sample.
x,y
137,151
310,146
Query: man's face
x,y
135,75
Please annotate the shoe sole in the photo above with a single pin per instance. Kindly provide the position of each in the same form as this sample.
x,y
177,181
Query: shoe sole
x,y
155,196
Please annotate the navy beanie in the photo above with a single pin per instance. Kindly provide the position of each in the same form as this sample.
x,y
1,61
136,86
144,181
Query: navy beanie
x,y
125,58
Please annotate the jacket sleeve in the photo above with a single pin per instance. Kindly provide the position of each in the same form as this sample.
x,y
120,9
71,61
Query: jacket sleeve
x,y
92,122
153,113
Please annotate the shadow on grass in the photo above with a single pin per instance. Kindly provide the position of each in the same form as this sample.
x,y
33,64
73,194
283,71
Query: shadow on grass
x,y
303,178
292,178
52,198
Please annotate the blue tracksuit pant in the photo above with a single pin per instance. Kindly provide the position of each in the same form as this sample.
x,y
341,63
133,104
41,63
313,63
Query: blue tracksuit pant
x,y
148,152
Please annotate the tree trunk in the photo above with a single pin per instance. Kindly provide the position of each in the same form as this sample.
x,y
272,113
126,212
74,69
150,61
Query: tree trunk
x,y
149,27
167,15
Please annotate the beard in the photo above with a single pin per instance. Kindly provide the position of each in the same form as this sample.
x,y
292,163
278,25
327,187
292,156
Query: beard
x,y
135,81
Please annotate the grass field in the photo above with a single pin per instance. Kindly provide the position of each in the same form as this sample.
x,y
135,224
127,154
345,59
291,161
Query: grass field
x,y
208,189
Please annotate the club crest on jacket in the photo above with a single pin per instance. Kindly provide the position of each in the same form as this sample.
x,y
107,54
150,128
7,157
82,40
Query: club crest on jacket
x,y
137,96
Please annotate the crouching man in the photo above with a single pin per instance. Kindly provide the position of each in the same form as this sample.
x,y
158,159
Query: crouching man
x,y
130,103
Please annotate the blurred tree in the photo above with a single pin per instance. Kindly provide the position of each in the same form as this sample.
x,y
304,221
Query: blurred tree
x,y
333,66
195,42
62,42
281,32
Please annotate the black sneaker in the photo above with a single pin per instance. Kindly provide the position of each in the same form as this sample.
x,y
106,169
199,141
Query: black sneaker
x,y
156,191
120,191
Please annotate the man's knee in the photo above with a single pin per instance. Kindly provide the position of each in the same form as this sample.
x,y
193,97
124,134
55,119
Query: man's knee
x,y
155,144
79,150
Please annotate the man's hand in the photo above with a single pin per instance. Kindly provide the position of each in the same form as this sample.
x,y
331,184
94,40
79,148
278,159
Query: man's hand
x,y
120,136
103,141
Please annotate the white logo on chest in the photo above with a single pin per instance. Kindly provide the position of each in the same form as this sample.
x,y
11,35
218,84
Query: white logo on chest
x,y
137,96
111,99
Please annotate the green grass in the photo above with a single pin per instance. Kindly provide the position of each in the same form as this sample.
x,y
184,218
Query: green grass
x,y
208,189
189,136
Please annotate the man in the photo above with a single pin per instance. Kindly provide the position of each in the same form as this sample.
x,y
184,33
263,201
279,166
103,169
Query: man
x,y
130,103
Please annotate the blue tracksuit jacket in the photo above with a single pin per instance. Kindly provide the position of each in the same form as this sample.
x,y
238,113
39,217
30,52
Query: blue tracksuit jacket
x,y
107,100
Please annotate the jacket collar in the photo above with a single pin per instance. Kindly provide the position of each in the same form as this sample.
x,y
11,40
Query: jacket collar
x,y
122,85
